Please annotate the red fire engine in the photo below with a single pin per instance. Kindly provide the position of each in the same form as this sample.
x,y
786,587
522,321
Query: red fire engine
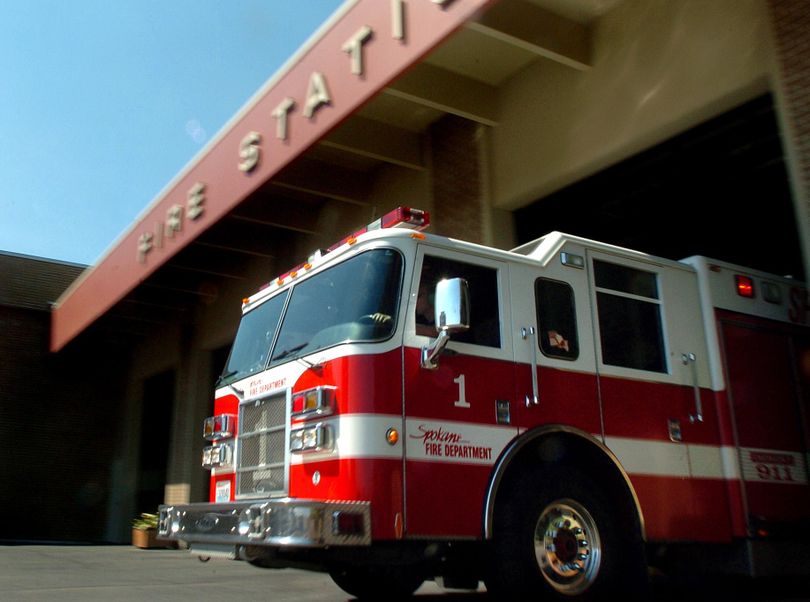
x,y
555,418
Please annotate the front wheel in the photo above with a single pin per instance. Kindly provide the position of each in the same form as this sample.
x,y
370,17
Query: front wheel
x,y
557,534
568,546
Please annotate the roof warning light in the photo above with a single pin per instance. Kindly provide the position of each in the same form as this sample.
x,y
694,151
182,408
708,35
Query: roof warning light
x,y
745,286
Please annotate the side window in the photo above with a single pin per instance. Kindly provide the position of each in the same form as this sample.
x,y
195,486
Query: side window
x,y
629,312
556,319
485,326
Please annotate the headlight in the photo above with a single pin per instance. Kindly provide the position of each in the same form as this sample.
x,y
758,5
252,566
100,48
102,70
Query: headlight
x,y
216,456
311,439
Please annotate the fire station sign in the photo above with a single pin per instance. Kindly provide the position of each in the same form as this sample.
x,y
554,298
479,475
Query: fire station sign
x,y
364,46
306,102
193,209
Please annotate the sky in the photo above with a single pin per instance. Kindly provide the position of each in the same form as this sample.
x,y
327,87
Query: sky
x,y
103,102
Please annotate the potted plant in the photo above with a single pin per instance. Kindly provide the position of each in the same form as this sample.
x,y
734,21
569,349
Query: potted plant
x,y
144,531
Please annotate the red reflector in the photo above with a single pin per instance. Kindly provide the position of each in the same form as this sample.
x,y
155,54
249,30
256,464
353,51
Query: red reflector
x,y
745,286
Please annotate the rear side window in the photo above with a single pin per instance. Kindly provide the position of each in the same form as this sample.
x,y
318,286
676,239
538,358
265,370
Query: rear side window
x,y
629,311
556,319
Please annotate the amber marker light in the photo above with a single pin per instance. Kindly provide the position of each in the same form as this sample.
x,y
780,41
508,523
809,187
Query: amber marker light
x,y
392,436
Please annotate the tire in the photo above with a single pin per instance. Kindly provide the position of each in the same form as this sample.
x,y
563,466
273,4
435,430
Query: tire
x,y
378,583
558,535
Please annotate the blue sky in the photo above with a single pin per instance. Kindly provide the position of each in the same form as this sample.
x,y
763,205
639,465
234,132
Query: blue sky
x,y
103,102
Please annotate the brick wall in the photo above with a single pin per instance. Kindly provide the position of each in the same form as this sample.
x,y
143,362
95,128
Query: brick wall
x,y
790,24
458,207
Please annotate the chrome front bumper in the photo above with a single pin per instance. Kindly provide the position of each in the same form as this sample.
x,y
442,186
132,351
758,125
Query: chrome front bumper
x,y
277,522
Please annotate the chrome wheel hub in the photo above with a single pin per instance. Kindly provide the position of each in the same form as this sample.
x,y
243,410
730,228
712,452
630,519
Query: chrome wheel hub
x,y
567,546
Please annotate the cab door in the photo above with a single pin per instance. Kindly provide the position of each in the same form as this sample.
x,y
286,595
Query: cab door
x,y
554,358
456,415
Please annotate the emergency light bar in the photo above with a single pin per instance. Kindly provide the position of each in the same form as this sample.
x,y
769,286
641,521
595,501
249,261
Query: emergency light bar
x,y
401,217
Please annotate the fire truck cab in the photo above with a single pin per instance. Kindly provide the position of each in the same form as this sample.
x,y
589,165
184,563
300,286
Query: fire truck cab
x,y
554,418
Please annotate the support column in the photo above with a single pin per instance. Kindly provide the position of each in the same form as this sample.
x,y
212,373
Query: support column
x,y
459,209
186,481
790,26
124,465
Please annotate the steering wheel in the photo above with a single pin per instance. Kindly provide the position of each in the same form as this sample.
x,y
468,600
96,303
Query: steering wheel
x,y
375,319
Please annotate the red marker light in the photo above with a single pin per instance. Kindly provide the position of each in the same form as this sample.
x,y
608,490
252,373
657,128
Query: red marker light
x,y
745,286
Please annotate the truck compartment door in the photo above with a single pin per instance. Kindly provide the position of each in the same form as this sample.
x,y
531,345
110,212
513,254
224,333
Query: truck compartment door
x,y
768,390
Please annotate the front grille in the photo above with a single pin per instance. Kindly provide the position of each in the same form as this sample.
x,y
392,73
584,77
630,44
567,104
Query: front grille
x,y
261,467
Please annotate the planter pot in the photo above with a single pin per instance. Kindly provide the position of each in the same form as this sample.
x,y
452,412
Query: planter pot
x,y
145,538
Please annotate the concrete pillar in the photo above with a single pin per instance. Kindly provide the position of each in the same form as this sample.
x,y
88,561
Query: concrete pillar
x,y
458,202
186,481
124,465
790,27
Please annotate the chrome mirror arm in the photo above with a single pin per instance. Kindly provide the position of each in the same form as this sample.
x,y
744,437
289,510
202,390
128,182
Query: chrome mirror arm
x,y
431,353
451,314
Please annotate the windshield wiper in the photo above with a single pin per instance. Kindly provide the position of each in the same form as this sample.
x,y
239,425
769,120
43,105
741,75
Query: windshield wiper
x,y
223,377
288,352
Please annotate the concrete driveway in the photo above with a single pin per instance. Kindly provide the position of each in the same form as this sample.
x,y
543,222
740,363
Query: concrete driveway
x,y
123,573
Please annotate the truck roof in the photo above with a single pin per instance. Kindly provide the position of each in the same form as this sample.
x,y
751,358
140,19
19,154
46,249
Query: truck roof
x,y
773,296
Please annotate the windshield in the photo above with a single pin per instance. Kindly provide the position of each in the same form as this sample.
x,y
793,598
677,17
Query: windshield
x,y
355,300
253,339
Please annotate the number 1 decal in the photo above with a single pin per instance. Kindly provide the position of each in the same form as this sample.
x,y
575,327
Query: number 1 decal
x,y
462,398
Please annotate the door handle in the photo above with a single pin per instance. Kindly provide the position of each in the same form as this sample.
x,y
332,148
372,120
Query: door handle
x,y
691,359
530,333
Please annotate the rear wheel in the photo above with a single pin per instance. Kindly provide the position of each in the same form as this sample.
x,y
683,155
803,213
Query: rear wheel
x,y
378,583
557,534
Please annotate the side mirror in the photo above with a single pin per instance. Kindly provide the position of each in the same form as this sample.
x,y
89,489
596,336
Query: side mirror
x,y
452,314
452,305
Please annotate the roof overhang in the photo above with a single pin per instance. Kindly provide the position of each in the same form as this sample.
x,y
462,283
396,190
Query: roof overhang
x,y
355,55
354,106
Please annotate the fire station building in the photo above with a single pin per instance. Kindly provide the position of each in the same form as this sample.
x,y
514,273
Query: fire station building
x,y
675,128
